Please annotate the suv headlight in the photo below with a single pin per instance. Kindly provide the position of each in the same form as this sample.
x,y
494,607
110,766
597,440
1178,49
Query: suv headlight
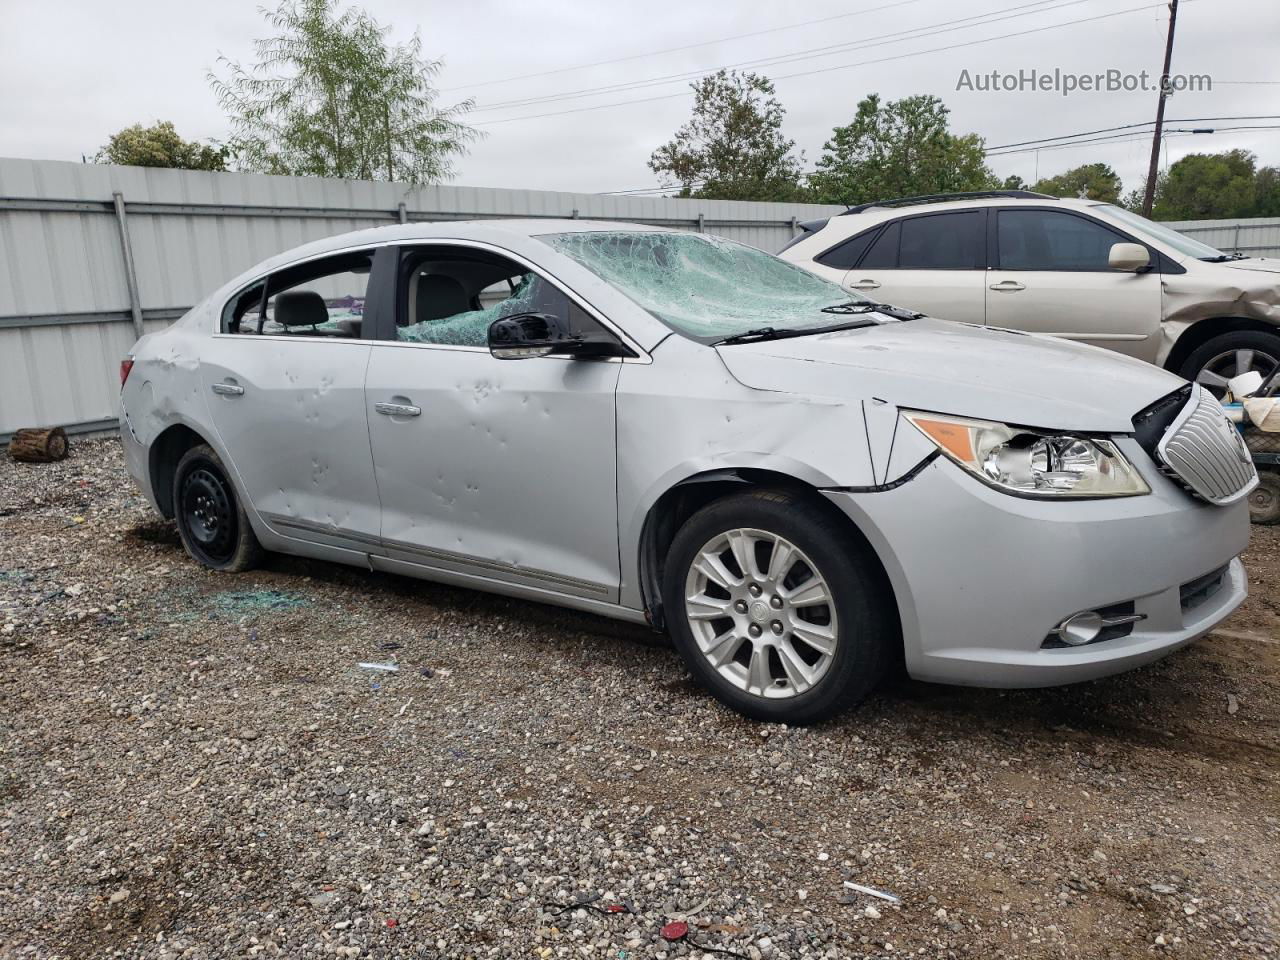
x,y
1032,463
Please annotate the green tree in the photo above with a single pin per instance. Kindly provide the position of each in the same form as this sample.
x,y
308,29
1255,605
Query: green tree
x,y
732,148
1267,186
1093,181
329,97
1208,186
1013,182
160,146
898,149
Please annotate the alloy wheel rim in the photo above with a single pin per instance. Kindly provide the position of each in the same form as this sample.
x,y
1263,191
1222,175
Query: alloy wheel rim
x,y
208,514
1231,363
761,613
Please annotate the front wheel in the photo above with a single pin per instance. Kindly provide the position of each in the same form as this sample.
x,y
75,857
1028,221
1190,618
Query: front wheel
x,y
1264,501
211,522
775,609
1229,355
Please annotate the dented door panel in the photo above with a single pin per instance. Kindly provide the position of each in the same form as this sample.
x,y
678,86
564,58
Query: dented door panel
x,y
508,472
297,435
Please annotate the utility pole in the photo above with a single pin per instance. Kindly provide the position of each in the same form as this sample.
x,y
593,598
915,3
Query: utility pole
x,y
1149,197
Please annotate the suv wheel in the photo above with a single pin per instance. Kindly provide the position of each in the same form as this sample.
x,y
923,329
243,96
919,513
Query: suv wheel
x,y
211,522
777,616
1216,361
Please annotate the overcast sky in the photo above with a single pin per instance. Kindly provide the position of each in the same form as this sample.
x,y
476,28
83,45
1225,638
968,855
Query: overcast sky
x,y
74,71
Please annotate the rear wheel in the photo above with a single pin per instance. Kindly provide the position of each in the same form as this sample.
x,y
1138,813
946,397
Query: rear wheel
x,y
1216,361
776,612
211,522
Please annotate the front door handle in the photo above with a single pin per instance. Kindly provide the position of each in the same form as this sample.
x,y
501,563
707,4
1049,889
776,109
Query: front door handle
x,y
398,409
1007,286
864,285
228,389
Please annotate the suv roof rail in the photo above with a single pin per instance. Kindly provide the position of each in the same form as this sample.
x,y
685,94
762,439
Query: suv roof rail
x,y
943,197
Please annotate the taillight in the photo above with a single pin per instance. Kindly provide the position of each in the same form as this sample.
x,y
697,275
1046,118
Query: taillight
x,y
125,366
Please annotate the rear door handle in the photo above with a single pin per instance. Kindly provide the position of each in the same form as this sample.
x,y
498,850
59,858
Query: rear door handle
x,y
1007,286
228,389
864,285
398,409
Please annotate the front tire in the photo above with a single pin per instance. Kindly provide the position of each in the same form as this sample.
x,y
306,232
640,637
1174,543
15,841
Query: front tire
x,y
211,522
1228,355
775,609
1264,501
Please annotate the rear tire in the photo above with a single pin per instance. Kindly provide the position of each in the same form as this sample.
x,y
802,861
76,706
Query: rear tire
x,y
760,639
1220,358
211,522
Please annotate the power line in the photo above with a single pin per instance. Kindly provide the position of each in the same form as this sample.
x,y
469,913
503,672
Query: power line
x,y
846,66
1129,126
687,46
962,23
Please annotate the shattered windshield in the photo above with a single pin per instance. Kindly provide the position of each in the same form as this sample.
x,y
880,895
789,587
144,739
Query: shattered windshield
x,y
705,287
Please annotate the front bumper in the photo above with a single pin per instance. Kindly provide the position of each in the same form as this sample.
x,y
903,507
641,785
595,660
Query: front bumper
x,y
982,577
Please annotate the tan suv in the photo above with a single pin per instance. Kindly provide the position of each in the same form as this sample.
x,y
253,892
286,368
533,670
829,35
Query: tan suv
x,y
1076,269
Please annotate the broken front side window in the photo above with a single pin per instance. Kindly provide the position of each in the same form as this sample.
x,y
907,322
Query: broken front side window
x,y
705,287
452,300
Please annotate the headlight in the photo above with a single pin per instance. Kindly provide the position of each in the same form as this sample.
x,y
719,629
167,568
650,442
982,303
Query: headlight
x,y
1031,463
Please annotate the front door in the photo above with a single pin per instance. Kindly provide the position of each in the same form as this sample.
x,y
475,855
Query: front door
x,y
1050,275
285,388
500,469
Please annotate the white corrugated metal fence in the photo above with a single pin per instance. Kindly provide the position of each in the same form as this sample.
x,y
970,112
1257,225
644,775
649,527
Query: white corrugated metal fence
x,y
91,254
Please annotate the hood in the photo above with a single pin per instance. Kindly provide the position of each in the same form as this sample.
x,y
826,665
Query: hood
x,y
1254,264
960,369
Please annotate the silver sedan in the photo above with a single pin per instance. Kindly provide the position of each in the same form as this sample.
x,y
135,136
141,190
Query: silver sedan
x,y
670,428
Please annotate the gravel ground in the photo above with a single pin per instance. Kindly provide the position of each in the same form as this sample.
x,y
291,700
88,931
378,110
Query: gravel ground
x,y
193,765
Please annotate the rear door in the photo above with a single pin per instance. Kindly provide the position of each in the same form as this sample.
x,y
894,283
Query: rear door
x,y
284,380
1050,275
931,262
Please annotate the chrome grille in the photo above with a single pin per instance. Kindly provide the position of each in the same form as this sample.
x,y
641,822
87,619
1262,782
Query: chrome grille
x,y
1203,450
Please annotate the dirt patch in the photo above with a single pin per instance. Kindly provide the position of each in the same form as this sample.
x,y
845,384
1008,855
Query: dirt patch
x,y
209,746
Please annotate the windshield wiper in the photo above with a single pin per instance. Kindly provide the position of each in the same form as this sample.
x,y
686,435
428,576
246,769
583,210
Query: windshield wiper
x,y
1224,257
750,336
888,309
850,306
773,333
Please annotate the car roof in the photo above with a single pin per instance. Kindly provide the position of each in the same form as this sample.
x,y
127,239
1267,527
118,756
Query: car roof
x,y
514,233
888,209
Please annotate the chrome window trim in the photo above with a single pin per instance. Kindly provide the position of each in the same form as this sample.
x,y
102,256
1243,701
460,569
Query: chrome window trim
x,y
261,278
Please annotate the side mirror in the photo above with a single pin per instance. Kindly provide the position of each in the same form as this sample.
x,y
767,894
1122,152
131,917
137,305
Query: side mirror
x,y
1129,257
525,335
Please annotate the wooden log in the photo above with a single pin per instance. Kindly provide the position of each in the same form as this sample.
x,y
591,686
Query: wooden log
x,y
39,446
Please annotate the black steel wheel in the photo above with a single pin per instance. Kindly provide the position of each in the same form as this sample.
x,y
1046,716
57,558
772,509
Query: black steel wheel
x,y
211,522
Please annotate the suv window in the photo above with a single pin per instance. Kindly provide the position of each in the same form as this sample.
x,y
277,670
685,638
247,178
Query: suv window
x,y
845,256
1050,240
320,298
450,297
883,254
944,241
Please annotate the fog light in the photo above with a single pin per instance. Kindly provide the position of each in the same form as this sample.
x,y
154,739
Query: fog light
x,y
1080,629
